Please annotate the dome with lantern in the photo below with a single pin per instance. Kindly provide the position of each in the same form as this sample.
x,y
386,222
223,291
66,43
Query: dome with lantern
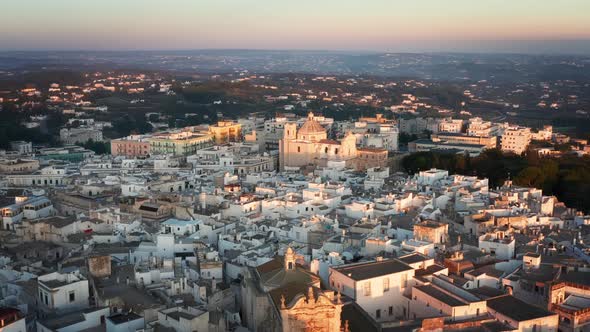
x,y
312,130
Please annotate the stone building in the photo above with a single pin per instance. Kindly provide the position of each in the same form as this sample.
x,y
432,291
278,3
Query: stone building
x,y
370,158
570,299
431,231
282,295
311,310
310,146
99,266
17,166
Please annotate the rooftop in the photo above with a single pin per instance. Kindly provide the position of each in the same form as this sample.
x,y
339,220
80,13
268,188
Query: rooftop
x,y
440,295
124,318
516,309
362,271
413,258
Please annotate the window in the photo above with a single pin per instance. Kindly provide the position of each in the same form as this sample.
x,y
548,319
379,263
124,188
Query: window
x,y
390,310
378,313
298,149
404,280
72,296
368,288
386,285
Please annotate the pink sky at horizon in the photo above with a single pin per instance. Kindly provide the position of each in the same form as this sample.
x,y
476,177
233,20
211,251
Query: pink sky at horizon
x,y
276,24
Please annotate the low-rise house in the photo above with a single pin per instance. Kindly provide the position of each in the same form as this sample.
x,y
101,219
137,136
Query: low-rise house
x,y
521,315
80,320
497,244
377,286
25,208
431,231
442,297
570,299
63,292
123,322
183,319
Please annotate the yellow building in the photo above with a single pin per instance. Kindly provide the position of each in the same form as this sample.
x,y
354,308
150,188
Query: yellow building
x,y
310,146
182,143
226,131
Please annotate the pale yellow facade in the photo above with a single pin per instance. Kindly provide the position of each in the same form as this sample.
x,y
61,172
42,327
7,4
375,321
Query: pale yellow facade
x,y
226,131
180,144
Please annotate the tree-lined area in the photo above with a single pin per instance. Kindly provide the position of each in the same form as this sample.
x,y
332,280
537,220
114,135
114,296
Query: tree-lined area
x,y
566,177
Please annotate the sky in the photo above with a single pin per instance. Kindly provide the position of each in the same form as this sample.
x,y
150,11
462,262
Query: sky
x,y
536,26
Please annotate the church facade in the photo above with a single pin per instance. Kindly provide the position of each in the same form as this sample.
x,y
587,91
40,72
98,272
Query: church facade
x,y
283,296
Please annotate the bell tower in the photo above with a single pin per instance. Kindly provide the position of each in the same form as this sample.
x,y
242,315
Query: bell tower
x,y
290,259
290,131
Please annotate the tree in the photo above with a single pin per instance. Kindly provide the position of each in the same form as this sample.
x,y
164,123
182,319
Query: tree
x,y
531,176
567,177
97,147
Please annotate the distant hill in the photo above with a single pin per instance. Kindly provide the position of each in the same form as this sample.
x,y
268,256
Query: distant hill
x,y
438,66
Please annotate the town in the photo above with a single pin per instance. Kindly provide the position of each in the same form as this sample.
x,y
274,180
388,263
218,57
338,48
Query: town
x,y
299,219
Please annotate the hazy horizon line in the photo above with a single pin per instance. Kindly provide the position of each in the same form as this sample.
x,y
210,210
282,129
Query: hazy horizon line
x,y
312,50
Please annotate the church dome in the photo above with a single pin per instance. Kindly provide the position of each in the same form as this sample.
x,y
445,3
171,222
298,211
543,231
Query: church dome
x,y
311,130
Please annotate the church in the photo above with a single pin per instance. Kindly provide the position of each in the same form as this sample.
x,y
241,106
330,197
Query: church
x,y
310,146
282,295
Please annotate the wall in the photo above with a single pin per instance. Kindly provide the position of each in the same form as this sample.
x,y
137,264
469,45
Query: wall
x,y
99,266
133,325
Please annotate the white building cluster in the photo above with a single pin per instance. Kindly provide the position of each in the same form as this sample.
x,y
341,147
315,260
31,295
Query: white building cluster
x,y
471,136
220,239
